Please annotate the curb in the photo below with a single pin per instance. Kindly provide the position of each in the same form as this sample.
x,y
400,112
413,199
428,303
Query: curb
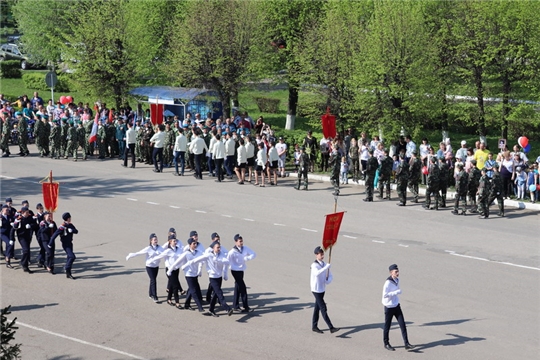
x,y
422,191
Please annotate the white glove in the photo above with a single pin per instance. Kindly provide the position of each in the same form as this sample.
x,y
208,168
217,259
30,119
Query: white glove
x,y
49,246
128,257
11,224
51,225
70,230
169,273
11,242
28,226
225,277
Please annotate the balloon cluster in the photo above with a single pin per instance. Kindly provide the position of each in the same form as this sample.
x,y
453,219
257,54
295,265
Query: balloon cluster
x,y
524,143
64,100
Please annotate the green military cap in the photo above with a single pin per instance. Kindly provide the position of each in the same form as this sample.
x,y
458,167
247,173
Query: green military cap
x,y
46,117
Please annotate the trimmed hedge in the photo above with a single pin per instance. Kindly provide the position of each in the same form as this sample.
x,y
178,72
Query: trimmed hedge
x,y
10,69
267,105
36,81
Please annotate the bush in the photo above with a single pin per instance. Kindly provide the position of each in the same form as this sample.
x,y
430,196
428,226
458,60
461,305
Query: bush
x,y
267,105
10,69
8,351
36,81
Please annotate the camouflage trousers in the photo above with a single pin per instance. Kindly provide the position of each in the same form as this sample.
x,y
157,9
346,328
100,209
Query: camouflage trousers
x,y
401,191
384,183
413,186
302,174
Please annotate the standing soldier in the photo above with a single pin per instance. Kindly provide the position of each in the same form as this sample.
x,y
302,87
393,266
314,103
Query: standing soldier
x,y
402,176
462,179
6,133
111,147
23,134
121,129
432,184
88,125
415,170
66,231
147,148
443,179
46,135
303,169
55,139
483,194
474,179
496,190
168,145
101,140
310,144
385,171
139,143
371,169
73,142
63,137
39,134
335,163
81,139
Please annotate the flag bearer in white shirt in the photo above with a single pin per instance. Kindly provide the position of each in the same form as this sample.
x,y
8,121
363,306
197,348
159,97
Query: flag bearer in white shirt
x,y
238,256
392,308
320,277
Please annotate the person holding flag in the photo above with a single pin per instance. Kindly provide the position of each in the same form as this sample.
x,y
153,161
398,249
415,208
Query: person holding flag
x,y
320,277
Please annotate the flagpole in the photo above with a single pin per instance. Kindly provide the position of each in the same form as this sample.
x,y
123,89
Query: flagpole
x,y
330,252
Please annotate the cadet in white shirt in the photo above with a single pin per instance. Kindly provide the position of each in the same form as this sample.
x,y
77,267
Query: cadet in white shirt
x,y
180,148
131,139
320,277
171,253
273,159
262,159
152,264
215,238
250,153
230,146
390,300
197,147
158,139
241,162
238,256
218,153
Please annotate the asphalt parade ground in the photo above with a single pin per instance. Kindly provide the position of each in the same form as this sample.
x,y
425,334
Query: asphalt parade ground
x,y
470,286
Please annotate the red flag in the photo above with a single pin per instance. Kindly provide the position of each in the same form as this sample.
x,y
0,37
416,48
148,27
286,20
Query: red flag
x,y
50,193
328,122
93,133
331,229
156,113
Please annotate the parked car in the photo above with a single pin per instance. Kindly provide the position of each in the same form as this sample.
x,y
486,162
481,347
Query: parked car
x,y
12,52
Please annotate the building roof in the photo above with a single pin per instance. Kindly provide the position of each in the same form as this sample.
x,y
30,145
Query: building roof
x,y
172,93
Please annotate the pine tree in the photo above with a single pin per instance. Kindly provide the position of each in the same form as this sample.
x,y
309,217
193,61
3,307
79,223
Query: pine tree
x,y
7,351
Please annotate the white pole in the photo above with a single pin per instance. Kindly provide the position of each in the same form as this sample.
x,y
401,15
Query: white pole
x,y
52,95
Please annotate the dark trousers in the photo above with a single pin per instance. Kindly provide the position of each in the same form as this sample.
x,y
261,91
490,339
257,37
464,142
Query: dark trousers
x,y
194,291
240,290
215,283
10,249
173,285
25,245
49,256
370,180
389,313
209,293
152,274
42,252
68,248
320,306
219,169
198,171
210,163
229,164
157,158
130,150
179,155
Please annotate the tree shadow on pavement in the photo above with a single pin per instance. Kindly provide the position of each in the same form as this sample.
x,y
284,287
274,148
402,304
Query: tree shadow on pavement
x,y
266,305
31,307
65,357
453,341
99,269
449,322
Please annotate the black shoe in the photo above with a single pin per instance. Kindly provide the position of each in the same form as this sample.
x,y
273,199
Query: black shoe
x,y
400,204
409,346
334,329
51,271
217,180
176,174
212,313
132,166
237,309
389,347
248,310
69,276
155,298
368,199
317,330
229,313
9,266
156,170
123,165
27,270
187,307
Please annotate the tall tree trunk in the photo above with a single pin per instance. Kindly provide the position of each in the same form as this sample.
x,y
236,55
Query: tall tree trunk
x,y
478,72
507,88
293,105
235,102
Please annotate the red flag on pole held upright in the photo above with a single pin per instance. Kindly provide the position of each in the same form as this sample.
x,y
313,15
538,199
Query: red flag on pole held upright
x,y
328,122
331,229
156,112
50,191
93,133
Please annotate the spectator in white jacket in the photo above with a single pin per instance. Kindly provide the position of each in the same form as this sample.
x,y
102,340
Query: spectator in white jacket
x,y
218,153
241,162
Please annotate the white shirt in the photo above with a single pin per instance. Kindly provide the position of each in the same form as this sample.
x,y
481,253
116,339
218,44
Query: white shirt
x,y
191,270
261,158
151,255
364,154
216,264
242,155
181,143
158,139
250,150
390,292
318,279
218,151
282,149
131,136
409,148
229,147
211,145
238,257
273,154
170,255
197,146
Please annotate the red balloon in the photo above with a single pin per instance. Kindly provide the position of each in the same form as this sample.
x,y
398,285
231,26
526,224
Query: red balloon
x,y
69,99
63,100
425,170
523,141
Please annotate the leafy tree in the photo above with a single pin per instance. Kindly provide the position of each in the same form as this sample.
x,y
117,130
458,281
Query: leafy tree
x,y
7,351
211,45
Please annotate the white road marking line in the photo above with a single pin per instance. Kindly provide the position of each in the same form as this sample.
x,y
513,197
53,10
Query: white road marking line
x,y
80,341
131,199
521,266
152,203
377,241
403,245
350,237
450,252
174,207
226,215
200,211
279,224
248,219
309,230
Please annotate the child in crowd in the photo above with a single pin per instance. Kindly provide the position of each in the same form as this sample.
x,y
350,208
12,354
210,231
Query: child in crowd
x,y
297,155
395,167
520,181
344,170
532,182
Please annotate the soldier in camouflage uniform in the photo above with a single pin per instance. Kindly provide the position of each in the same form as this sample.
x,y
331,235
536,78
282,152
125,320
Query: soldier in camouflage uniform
x,y
73,143
6,133
462,180
168,146
474,178
64,127
23,135
46,135
303,169
483,194
101,140
111,146
415,171
432,184
402,178
371,169
147,147
385,173
88,125
81,139
335,164
443,179
496,190
139,143
39,134
55,140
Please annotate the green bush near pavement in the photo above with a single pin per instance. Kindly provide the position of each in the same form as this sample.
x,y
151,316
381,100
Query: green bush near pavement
x,y
10,69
